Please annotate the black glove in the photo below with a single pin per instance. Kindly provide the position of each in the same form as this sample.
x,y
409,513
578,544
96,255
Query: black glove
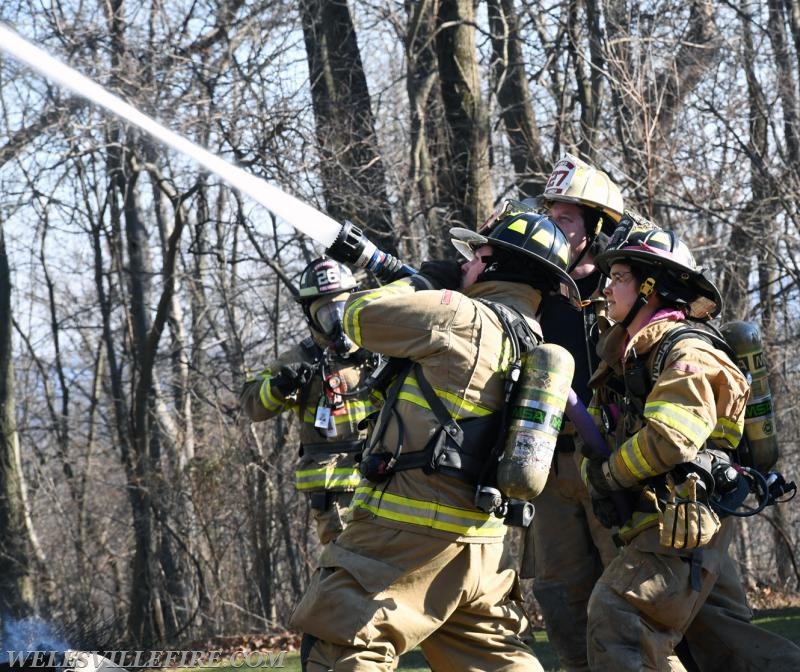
x,y
599,476
442,273
291,377
606,512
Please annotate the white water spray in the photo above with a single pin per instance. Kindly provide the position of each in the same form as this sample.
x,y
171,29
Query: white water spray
x,y
302,216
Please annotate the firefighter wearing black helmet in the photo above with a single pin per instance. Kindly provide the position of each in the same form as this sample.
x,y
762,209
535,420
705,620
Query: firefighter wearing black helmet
x,y
419,562
324,381
667,428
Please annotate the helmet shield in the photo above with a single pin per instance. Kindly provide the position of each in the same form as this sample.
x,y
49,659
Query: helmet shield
x,y
678,278
531,236
575,181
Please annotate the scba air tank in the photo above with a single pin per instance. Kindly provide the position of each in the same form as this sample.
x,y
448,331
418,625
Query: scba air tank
x,y
536,413
760,450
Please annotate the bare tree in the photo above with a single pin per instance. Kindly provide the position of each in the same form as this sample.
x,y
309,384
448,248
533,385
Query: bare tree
x,y
17,596
467,185
350,162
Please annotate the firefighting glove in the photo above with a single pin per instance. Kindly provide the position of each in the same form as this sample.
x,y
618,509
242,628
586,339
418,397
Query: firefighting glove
x,y
606,512
291,377
683,520
599,476
438,274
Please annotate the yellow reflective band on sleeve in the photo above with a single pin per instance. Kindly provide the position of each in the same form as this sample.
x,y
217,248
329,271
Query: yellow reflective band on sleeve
x,y
678,418
270,401
638,522
327,478
464,522
350,320
728,431
632,456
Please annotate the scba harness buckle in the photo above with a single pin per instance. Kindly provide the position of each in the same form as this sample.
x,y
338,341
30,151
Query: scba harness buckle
x,y
377,467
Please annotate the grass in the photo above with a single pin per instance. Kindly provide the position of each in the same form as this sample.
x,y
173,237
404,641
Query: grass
x,y
785,622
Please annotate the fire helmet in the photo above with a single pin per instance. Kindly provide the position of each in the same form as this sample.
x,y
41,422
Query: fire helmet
x,y
664,258
575,181
324,286
325,276
530,237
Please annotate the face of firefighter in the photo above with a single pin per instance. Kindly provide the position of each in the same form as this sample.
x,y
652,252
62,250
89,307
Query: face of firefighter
x,y
621,292
569,218
326,315
470,270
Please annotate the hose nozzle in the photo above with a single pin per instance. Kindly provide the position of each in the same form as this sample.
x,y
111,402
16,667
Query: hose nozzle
x,y
353,247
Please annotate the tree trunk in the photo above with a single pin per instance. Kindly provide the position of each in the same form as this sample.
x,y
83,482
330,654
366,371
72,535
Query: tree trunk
x,y
16,570
511,86
426,121
467,185
351,166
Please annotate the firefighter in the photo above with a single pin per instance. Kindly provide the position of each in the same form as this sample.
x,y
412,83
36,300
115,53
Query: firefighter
x,y
586,205
324,380
420,563
669,428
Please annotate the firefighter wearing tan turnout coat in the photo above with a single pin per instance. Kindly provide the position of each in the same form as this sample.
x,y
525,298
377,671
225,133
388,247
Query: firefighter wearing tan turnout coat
x,y
666,435
586,205
419,563
324,381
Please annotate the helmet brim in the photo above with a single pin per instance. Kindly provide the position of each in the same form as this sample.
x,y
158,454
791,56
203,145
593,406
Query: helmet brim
x,y
466,240
708,302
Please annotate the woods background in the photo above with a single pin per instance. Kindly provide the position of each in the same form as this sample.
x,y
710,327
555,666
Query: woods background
x,y
137,291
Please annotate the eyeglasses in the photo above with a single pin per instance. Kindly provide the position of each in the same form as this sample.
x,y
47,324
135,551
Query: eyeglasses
x,y
619,278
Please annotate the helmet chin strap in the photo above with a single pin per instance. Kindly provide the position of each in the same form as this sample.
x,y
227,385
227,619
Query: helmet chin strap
x,y
595,243
645,291
580,257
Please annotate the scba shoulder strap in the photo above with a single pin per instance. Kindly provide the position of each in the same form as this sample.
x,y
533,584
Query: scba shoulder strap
x,y
704,332
461,450
639,378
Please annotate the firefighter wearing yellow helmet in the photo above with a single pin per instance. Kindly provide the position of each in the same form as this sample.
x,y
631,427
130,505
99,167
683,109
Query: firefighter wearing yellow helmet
x,y
422,562
587,206
323,381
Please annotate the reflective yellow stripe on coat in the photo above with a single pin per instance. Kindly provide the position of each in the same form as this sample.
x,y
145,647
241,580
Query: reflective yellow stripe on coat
x,y
327,478
465,522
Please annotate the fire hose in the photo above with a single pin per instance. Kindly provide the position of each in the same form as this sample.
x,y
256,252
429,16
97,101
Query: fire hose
x,y
344,242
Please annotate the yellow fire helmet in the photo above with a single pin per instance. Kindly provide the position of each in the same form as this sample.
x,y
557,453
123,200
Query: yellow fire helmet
x,y
575,181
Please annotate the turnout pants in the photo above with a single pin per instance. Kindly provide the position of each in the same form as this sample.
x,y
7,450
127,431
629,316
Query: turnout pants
x,y
566,549
721,637
379,592
330,510
644,603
